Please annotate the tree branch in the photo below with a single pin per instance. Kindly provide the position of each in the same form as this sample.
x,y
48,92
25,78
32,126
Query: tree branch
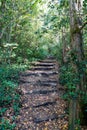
x,y
83,25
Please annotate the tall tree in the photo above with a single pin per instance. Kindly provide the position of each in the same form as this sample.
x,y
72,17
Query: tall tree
x,y
77,50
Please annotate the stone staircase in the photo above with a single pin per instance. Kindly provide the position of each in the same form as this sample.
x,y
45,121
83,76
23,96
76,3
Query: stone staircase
x,y
42,108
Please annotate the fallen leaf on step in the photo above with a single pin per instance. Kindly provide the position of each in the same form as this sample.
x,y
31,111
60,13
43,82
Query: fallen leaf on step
x,y
46,128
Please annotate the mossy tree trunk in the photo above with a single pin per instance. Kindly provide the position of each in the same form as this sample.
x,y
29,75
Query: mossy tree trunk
x,y
77,49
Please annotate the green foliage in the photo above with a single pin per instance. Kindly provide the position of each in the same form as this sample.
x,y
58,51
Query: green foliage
x,y
69,77
29,31
8,85
6,125
9,96
2,111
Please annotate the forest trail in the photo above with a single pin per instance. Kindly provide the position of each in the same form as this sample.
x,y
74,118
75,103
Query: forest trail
x,y
42,108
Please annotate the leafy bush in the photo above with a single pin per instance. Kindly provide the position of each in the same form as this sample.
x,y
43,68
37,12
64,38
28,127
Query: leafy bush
x,y
6,125
9,96
70,79
8,85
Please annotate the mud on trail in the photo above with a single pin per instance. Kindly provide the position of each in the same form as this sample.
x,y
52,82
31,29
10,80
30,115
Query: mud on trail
x,y
42,105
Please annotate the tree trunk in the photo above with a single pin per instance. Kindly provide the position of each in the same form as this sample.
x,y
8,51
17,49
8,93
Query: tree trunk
x,y
64,46
77,48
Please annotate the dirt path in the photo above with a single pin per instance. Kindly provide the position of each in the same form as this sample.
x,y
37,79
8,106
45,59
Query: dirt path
x,y
43,107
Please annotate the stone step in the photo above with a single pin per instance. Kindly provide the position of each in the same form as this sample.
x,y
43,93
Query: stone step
x,y
30,74
48,118
49,73
38,84
45,104
42,91
47,81
41,83
24,81
47,84
47,61
44,74
43,68
43,64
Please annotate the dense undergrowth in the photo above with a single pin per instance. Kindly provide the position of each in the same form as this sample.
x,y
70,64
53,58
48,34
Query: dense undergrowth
x,y
10,94
70,79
